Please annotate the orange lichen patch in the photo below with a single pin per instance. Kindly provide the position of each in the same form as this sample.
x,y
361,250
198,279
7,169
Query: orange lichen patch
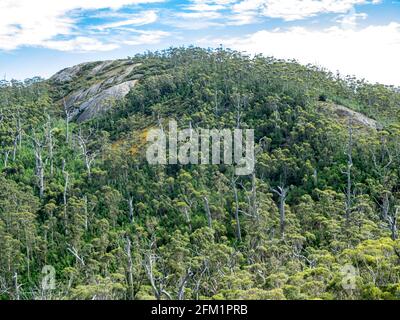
x,y
117,145
134,150
140,141
143,135
133,145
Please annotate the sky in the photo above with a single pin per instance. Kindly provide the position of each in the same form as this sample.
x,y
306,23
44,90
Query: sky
x,y
354,37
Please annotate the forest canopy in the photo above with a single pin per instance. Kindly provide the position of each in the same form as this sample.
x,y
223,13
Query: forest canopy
x,y
78,200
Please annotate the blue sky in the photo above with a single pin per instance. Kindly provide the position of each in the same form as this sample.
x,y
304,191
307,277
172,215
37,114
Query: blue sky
x,y
360,37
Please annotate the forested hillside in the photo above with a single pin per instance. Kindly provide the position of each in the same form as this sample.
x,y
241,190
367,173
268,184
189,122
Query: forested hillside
x,y
77,194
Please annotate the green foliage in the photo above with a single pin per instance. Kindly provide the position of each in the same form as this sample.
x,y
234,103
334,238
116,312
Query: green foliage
x,y
86,202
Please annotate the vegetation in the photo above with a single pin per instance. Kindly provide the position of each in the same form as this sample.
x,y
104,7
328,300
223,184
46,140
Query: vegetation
x,y
82,198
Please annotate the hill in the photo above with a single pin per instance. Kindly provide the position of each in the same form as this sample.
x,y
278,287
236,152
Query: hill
x,y
317,219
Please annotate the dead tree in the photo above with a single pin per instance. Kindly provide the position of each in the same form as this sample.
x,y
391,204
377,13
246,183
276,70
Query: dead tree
x,y
16,286
199,279
156,284
216,102
254,203
76,255
208,213
38,149
130,205
6,156
188,209
392,223
149,261
187,217
88,156
390,214
282,194
385,206
238,229
182,285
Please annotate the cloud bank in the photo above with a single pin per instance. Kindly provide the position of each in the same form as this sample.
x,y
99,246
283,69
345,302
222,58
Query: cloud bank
x,y
371,52
40,22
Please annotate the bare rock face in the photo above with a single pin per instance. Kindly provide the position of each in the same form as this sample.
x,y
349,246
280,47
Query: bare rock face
x,y
89,89
345,114
356,117
104,100
100,67
67,74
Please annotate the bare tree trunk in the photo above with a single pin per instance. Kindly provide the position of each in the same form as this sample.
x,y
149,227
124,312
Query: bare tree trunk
x,y
208,213
182,286
238,111
282,193
130,266
238,230
254,195
16,285
6,155
150,275
198,282
39,164
14,155
87,155
130,204
187,216
393,227
76,255
385,206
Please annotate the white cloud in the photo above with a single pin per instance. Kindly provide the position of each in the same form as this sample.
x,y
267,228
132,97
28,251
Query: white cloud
x,y
370,52
204,7
242,19
208,13
36,22
140,19
214,2
147,37
194,20
199,15
202,14
350,20
80,44
290,10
